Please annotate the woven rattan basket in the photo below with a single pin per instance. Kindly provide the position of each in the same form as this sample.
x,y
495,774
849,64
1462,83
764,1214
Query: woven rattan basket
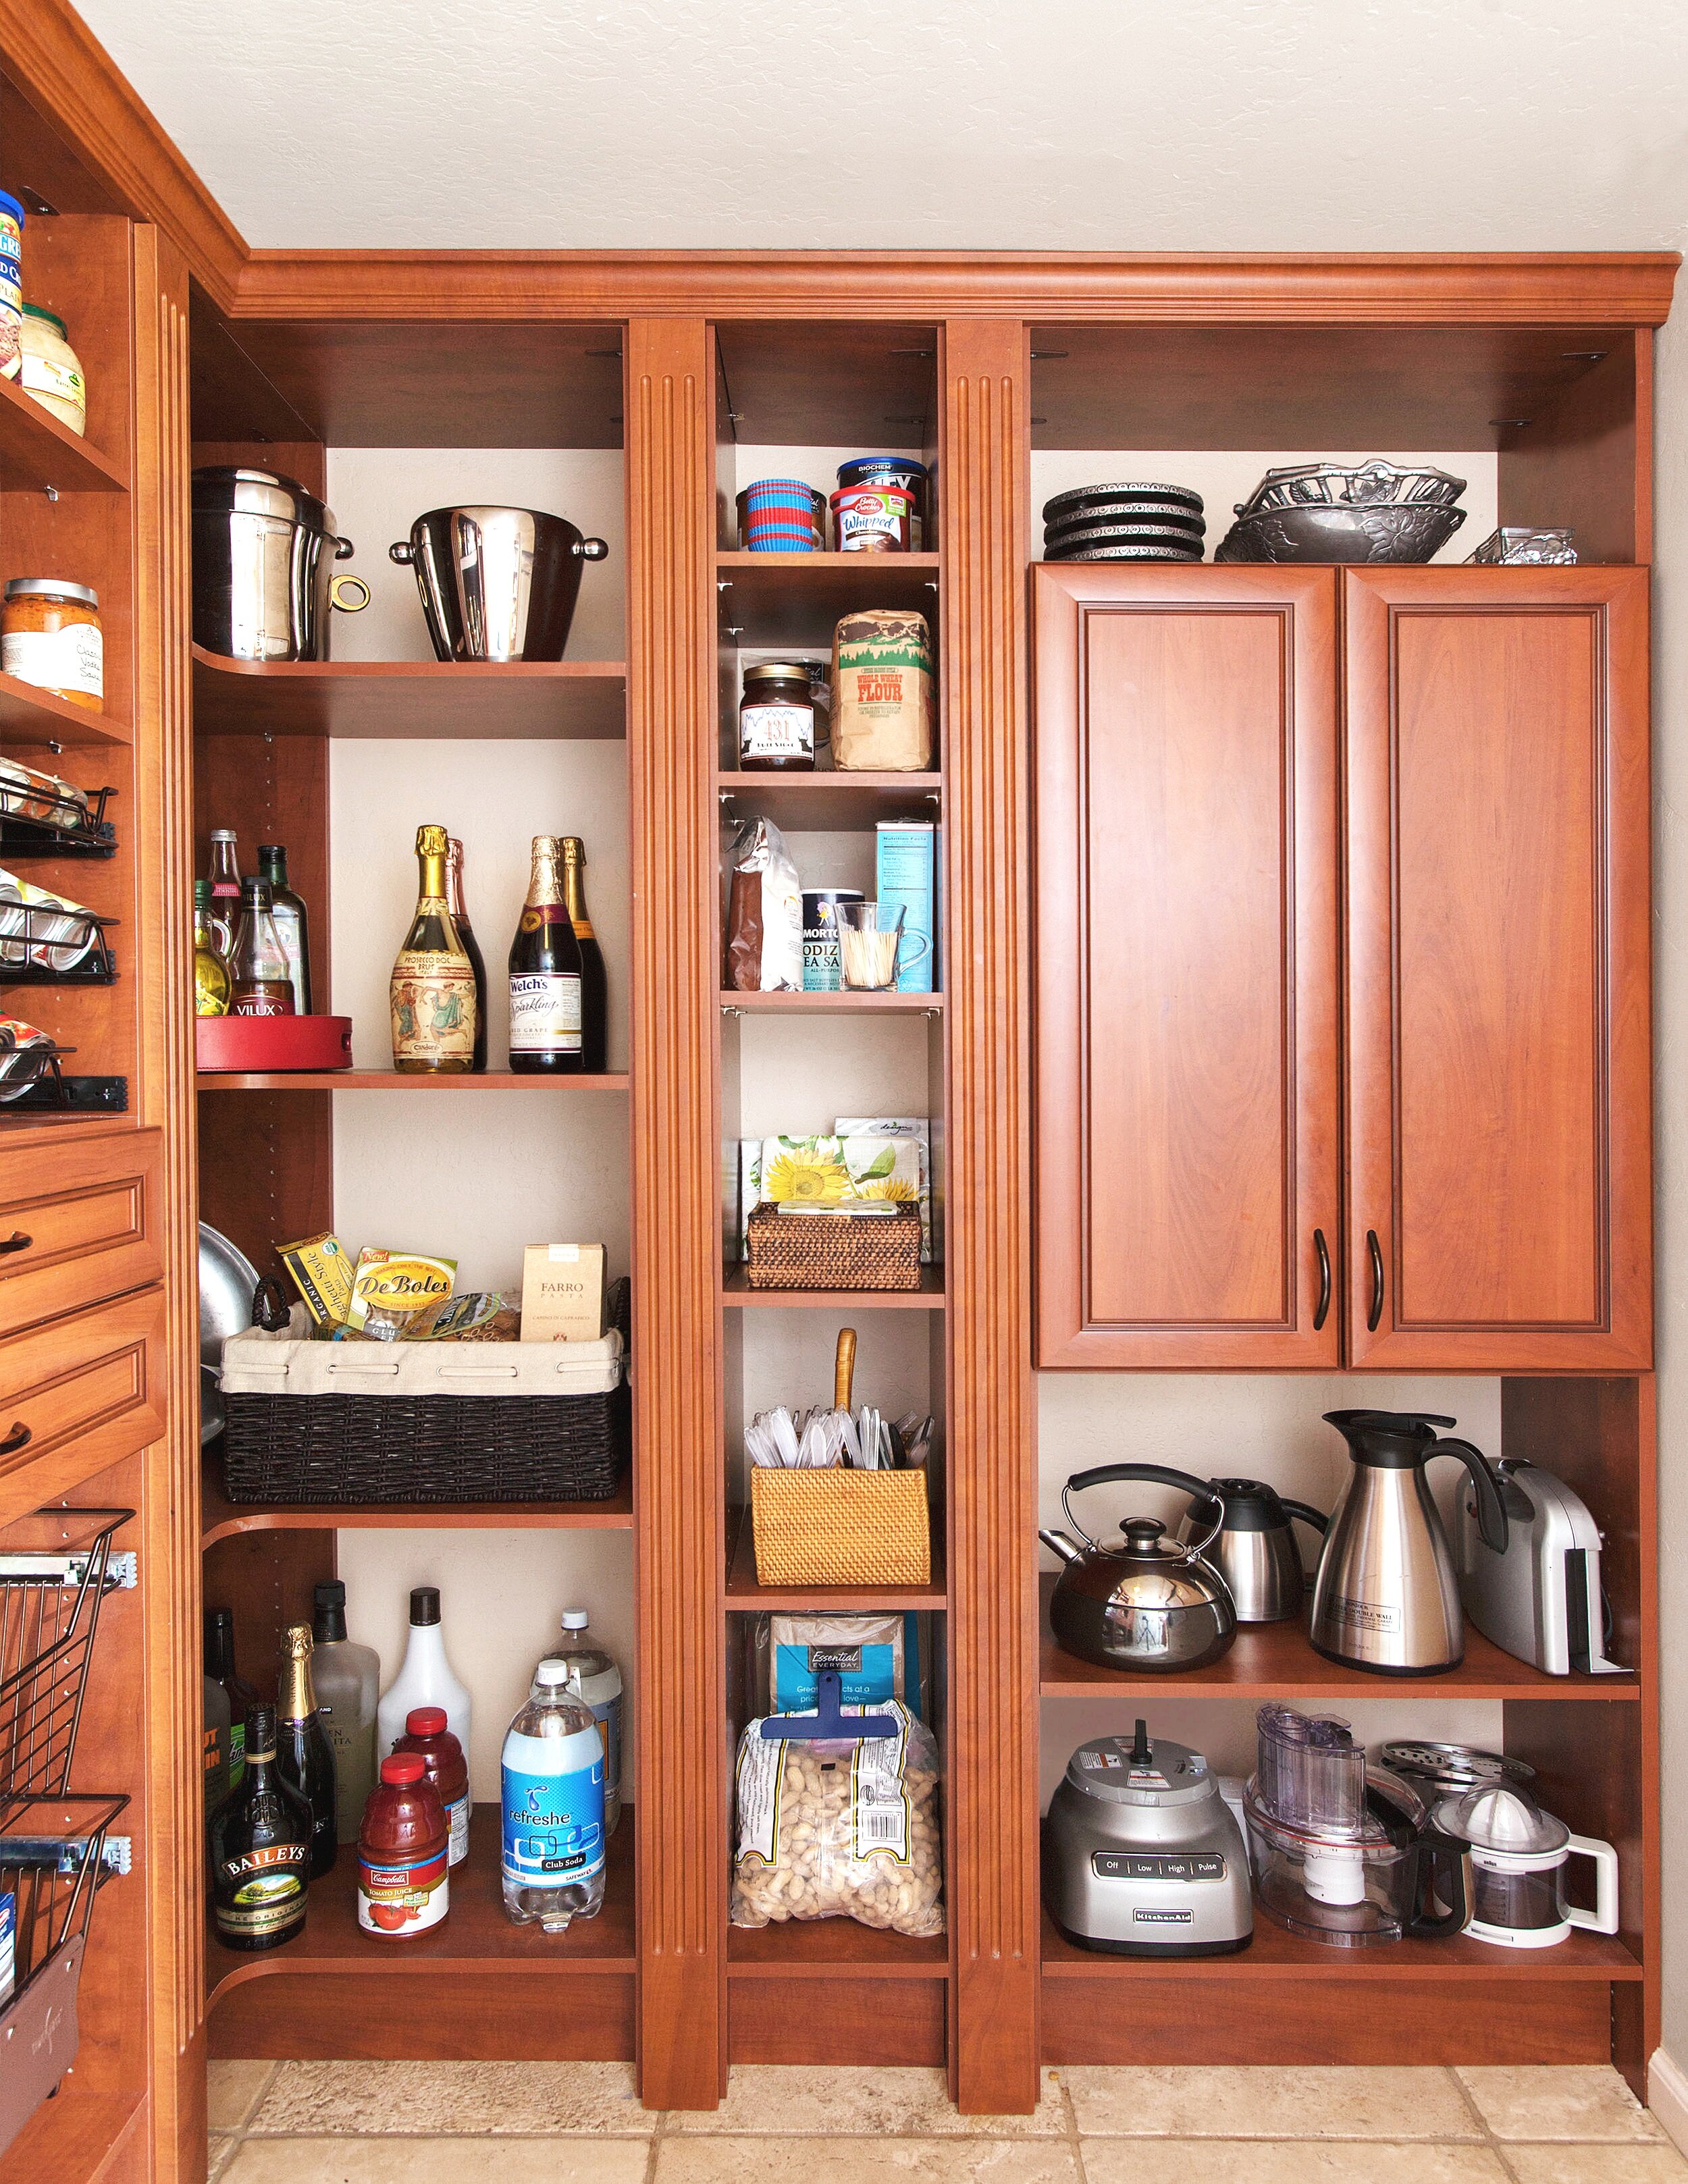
x,y
796,1252
840,1527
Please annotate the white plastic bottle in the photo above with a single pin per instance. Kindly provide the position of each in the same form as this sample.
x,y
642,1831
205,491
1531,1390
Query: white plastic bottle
x,y
594,1675
552,1797
425,1679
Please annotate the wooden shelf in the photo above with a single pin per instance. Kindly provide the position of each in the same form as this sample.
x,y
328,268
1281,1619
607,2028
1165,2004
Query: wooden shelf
x,y
71,2134
391,1080
1274,1660
785,598
736,1291
37,718
476,1936
832,1948
832,802
744,1595
37,452
222,1519
833,1004
526,700
1274,1954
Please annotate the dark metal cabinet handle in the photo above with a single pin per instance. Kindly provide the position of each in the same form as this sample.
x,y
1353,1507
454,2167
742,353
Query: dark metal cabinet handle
x,y
19,1437
1322,1311
17,1241
1377,1311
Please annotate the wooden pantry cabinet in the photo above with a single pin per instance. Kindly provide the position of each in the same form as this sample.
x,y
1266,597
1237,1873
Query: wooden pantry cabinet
x,y
1336,927
1342,993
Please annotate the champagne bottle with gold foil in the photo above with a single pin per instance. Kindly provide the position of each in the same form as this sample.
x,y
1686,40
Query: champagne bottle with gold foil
x,y
472,946
544,974
304,1759
594,984
432,995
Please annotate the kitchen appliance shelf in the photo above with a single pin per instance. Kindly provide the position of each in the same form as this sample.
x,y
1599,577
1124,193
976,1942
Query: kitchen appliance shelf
x,y
825,1948
833,802
786,599
736,1292
38,720
1275,1660
745,1596
393,1080
38,453
475,1936
223,1519
1276,1954
449,700
832,1005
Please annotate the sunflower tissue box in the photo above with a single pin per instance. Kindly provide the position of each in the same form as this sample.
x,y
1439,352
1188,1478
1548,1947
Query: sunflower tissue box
x,y
838,1169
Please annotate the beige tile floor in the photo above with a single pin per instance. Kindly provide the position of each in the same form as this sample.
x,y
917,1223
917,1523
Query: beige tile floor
x,y
579,2123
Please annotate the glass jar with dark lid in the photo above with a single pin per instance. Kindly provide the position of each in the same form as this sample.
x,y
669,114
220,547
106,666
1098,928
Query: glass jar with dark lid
x,y
777,719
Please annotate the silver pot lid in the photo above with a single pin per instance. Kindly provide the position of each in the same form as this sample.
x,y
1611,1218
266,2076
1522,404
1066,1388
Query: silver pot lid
x,y
231,489
1504,1821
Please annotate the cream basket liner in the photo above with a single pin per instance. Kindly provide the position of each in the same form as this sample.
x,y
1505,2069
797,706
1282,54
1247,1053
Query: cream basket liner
x,y
282,1364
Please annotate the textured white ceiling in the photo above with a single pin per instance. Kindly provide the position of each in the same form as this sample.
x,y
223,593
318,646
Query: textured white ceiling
x,y
1056,124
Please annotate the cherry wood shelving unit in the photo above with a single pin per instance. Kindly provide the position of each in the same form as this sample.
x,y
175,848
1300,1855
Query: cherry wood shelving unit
x,y
1002,355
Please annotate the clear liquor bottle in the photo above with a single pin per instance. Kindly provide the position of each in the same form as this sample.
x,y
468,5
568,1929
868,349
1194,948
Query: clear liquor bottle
x,y
346,1677
261,984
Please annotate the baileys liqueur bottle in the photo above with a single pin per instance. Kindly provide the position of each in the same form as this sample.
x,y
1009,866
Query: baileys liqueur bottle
x,y
433,1000
260,1849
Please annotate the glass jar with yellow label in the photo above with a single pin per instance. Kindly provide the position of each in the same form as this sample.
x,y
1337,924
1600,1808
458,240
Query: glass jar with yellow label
x,y
50,635
51,370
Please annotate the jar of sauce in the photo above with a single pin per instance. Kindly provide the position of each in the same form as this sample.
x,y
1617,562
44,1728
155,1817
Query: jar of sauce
x,y
404,1878
777,719
443,1765
51,372
50,636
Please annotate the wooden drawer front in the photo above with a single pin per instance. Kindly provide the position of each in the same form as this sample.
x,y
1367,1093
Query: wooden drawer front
x,y
78,1395
90,1209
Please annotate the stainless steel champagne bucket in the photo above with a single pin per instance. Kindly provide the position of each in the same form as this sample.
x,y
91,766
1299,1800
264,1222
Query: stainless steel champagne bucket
x,y
263,581
497,584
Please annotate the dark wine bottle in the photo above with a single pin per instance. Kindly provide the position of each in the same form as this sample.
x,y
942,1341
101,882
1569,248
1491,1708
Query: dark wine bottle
x,y
304,1759
219,1665
545,974
292,924
260,1840
472,946
594,982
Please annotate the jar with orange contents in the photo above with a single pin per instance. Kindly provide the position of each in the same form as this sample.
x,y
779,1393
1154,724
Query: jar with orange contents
x,y
50,636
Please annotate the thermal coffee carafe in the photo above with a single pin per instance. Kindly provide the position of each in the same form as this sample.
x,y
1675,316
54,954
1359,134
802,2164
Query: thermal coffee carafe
x,y
1386,1596
1255,1552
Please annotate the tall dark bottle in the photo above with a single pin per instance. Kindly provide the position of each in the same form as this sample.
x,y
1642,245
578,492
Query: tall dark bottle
x,y
220,1665
594,984
260,1840
545,973
472,946
287,907
304,1759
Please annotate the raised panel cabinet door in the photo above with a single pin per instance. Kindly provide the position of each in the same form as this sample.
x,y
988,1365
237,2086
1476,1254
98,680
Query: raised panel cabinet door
x,y
79,1220
1499,1046
1187,1115
79,1395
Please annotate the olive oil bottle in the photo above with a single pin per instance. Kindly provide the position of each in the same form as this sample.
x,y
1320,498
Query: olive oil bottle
x,y
432,995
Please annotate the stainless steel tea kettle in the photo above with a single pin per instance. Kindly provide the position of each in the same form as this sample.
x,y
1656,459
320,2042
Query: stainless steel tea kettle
x,y
1255,1552
1143,1605
1386,1596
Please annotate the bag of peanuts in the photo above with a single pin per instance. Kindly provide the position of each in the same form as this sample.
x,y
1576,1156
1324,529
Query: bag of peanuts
x,y
840,1829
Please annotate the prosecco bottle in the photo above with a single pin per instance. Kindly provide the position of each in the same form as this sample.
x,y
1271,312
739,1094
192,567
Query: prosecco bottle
x,y
594,984
259,1840
465,934
432,995
304,1759
545,974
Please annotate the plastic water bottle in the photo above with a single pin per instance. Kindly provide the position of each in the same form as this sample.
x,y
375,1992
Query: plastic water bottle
x,y
552,1858
593,1675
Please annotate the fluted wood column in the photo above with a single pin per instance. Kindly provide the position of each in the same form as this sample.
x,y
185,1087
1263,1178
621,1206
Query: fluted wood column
x,y
681,1788
993,1804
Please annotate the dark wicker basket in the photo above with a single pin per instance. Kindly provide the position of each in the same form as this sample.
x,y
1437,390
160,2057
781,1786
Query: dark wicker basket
x,y
340,1449
789,1251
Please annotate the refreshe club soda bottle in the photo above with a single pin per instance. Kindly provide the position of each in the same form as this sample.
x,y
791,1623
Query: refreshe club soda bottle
x,y
552,1797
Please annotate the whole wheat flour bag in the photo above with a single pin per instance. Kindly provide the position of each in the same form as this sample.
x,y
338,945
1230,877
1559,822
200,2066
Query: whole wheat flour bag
x,y
884,717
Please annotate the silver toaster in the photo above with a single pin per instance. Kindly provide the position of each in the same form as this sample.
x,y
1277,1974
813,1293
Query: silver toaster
x,y
1541,1597
1142,1855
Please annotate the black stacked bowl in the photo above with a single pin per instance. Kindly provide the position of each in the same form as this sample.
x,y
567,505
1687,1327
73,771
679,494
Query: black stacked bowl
x,y
1140,521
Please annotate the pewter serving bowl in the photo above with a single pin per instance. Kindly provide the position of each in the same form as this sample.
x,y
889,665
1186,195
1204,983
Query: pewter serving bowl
x,y
1373,483
1411,533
